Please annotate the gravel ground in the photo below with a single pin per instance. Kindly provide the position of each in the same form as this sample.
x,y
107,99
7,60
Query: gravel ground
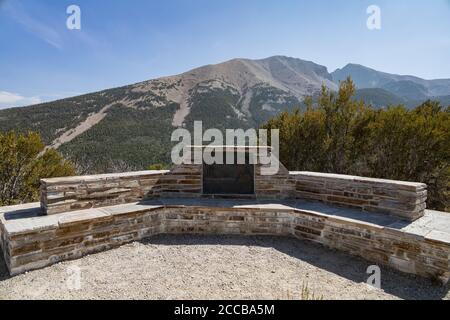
x,y
215,267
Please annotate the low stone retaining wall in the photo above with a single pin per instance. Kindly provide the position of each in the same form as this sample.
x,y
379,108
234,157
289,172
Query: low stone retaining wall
x,y
380,220
184,181
41,241
399,198
77,193
403,199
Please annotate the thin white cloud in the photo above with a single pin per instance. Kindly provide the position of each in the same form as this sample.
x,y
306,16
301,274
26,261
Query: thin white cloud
x,y
32,25
10,100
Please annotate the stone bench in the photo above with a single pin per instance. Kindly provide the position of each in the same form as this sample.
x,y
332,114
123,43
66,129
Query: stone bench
x,y
32,240
84,192
398,198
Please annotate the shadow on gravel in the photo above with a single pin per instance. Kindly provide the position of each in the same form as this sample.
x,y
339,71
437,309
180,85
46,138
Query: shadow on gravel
x,y
401,285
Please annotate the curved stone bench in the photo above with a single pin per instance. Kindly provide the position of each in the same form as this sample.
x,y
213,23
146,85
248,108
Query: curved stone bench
x,y
31,240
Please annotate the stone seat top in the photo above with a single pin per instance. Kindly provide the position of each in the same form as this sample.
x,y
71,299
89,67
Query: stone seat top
x,y
433,225
384,182
96,177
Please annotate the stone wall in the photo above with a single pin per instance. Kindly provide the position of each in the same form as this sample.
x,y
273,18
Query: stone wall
x,y
77,193
403,199
73,235
279,186
184,181
399,198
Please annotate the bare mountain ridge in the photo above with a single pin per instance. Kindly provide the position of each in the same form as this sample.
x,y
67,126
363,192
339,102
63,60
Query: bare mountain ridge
x,y
129,127
405,86
294,77
132,125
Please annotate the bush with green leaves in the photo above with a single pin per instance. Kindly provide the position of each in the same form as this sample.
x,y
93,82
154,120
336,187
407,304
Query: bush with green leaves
x,y
158,167
23,162
344,136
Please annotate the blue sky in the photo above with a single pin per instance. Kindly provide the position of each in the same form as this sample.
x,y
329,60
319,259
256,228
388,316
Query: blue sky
x,y
127,41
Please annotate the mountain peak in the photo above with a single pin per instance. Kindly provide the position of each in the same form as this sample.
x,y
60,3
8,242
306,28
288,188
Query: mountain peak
x,y
239,93
290,76
405,86
353,67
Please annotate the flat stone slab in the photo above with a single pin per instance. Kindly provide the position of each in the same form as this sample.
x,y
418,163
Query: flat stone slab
x,y
97,177
435,225
132,207
334,176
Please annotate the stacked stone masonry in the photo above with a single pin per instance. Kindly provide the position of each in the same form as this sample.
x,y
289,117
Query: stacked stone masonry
x,y
403,199
77,193
184,181
41,241
399,198
382,221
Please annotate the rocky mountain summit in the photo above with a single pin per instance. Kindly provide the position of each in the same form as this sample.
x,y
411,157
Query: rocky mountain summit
x,y
130,127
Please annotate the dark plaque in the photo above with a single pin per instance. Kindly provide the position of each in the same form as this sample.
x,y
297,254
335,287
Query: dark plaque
x,y
223,179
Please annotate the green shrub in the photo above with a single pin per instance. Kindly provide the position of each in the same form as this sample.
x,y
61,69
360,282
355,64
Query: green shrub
x,y
23,162
344,136
158,166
